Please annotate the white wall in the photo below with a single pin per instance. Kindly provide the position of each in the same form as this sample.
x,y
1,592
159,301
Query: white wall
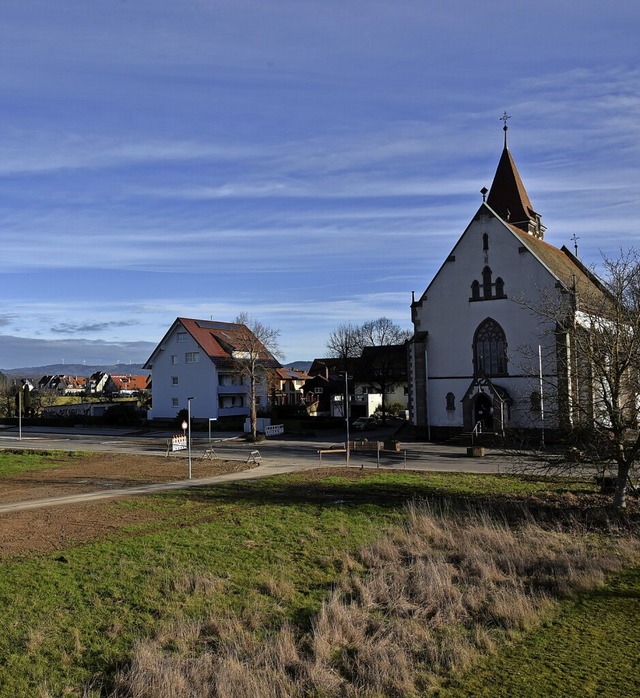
x,y
199,380
451,320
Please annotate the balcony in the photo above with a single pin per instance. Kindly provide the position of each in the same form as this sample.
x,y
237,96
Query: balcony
x,y
232,390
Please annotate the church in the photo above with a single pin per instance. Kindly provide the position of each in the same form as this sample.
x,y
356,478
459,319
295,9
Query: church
x,y
485,355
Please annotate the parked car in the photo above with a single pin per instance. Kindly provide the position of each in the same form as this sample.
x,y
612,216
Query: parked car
x,y
363,423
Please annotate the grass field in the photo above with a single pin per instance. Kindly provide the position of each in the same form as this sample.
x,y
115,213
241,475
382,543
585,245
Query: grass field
x,y
21,461
261,560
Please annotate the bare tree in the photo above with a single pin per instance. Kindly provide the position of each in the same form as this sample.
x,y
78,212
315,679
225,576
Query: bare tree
x,y
345,343
384,356
382,332
376,345
256,346
596,397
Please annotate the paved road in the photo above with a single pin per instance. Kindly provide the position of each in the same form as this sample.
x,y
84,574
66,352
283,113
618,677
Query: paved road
x,y
278,456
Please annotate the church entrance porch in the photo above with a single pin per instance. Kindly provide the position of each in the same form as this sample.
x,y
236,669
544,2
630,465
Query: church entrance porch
x,y
485,407
483,413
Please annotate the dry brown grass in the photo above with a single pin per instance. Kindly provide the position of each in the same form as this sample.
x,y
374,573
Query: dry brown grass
x,y
438,592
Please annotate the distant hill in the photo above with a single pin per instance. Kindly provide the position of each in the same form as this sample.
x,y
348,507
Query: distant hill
x,y
73,370
299,365
85,370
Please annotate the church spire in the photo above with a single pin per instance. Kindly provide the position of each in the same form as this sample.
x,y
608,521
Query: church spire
x,y
508,197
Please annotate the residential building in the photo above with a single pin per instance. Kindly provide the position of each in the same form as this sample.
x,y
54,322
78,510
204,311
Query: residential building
x,y
125,385
200,359
377,369
288,386
63,385
97,382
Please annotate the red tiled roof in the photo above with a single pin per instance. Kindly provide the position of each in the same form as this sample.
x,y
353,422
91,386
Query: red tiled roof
x,y
127,382
591,293
220,339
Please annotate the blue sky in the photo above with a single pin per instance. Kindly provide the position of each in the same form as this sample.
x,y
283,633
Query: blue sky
x,y
309,162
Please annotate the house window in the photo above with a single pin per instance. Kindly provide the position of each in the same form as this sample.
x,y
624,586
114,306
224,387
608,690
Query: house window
x,y
486,282
490,349
451,402
485,242
174,359
174,380
181,337
318,391
192,357
175,402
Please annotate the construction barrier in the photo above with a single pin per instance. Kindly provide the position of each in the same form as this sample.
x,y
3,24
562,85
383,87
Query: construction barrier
x,y
176,443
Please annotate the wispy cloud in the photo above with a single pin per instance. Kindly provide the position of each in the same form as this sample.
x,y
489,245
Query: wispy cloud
x,y
310,163
72,328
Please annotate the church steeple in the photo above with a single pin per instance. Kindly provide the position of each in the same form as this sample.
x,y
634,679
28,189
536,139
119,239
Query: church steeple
x,y
508,197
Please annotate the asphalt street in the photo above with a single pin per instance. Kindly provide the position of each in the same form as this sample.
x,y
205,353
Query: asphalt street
x,y
281,450
276,456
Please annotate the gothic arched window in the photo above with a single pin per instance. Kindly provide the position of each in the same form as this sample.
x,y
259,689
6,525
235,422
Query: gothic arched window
x,y
486,282
485,242
475,290
499,287
490,349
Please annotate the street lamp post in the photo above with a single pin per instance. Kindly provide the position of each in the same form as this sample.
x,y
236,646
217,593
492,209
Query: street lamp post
x,y
189,431
346,410
20,414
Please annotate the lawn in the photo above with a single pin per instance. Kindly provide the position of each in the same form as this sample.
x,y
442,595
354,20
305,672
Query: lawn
x,y
268,553
13,462
590,649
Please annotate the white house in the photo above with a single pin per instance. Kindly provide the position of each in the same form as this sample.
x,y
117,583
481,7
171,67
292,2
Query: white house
x,y
198,359
477,337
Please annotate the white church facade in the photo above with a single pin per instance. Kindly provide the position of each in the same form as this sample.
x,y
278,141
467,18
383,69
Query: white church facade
x,y
480,346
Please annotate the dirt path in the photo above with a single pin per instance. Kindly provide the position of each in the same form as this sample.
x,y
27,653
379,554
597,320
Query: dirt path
x,y
51,509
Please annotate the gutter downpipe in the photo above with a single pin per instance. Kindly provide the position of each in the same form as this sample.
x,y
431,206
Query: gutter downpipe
x,y
426,388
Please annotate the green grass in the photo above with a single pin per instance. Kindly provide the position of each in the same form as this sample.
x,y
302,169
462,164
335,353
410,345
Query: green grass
x,y
72,621
15,461
592,649
270,548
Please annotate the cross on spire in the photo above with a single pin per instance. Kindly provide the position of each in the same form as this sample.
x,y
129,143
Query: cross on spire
x,y
575,239
504,118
